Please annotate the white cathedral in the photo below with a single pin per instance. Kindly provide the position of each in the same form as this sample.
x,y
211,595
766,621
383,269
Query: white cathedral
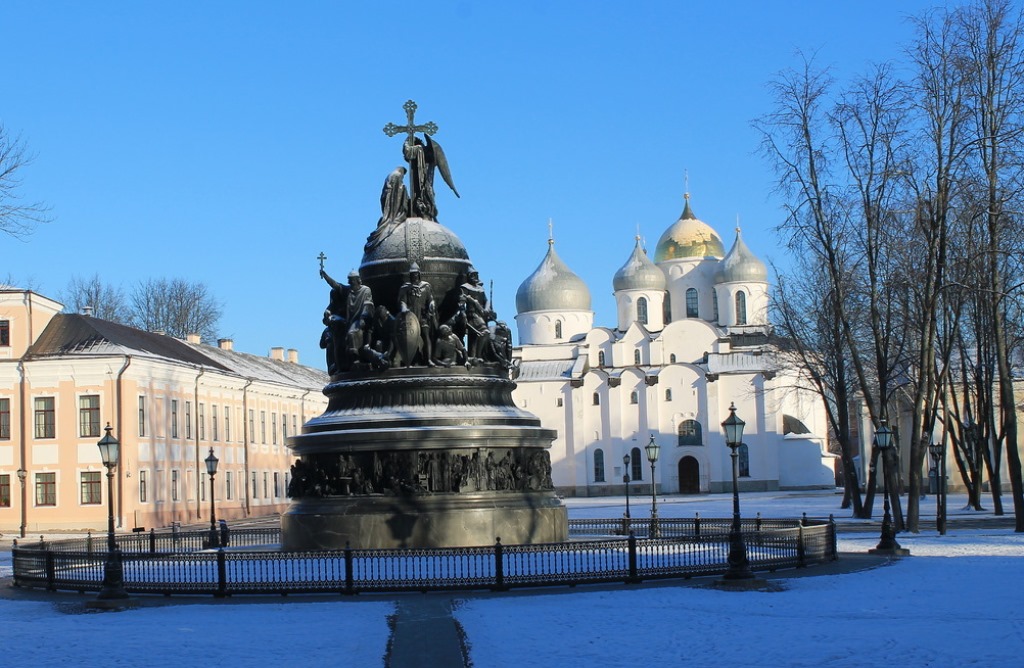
x,y
691,340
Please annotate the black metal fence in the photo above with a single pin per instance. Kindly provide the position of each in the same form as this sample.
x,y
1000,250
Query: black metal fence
x,y
600,551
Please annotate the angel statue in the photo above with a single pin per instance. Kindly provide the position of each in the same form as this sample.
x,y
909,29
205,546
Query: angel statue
x,y
423,158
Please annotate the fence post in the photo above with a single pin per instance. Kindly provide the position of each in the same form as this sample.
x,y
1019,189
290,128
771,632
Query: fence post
x,y
152,541
51,572
696,525
499,565
349,570
632,577
88,543
222,574
801,555
759,521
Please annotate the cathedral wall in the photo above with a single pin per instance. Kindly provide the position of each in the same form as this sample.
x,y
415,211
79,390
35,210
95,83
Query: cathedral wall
x,y
549,327
627,307
691,273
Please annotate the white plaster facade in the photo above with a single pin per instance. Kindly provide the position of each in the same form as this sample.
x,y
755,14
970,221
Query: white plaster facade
x,y
608,391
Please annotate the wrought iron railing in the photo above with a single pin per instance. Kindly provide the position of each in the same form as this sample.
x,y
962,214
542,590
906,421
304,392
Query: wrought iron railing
x,y
601,550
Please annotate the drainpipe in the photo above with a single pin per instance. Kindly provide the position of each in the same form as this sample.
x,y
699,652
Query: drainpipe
x,y
118,417
22,421
302,405
23,446
199,505
246,436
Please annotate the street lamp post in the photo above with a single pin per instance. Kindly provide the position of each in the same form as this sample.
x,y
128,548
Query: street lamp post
x,y
887,541
113,569
22,474
936,451
653,450
625,480
211,469
739,565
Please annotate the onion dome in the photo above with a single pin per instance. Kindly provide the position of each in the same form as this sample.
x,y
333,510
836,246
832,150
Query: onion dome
x,y
552,287
740,265
639,273
688,237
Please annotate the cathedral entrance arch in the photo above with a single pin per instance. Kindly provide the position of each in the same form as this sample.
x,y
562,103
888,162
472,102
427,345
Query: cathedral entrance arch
x,y
689,475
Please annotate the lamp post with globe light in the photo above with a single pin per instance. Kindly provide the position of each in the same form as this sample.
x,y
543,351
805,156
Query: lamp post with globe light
x,y
22,474
625,480
936,451
113,569
211,469
653,450
887,541
739,565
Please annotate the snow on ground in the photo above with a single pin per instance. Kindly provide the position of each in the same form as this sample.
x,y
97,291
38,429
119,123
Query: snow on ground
x,y
956,601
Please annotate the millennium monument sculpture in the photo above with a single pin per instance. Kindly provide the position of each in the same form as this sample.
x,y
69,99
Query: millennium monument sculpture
x,y
421,444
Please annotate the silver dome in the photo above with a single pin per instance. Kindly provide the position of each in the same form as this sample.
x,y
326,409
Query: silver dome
x,y
740,265
639,273
552,287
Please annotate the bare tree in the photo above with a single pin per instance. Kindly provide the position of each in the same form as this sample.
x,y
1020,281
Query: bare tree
x,y
17,218
993,39
176,307
807,323
836,165
105,301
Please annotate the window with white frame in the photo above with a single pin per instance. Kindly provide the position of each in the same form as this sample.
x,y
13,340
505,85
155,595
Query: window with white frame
x,y
89,415
45,418
91,488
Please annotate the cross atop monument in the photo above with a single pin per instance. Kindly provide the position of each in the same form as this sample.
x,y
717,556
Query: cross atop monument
x,y
410,127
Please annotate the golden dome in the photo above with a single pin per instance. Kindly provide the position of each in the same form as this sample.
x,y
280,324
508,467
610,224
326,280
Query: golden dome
x,y
689,237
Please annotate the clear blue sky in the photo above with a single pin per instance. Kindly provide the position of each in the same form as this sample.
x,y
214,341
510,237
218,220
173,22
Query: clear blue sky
x,y
231,142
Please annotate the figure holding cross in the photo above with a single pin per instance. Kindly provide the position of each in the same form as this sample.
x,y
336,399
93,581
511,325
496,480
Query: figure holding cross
x,y
422,157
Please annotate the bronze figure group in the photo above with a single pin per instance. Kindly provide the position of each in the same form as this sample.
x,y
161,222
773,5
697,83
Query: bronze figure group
x,y
359,336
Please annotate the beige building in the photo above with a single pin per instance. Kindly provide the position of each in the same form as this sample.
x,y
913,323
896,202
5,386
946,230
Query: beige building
x,y
63,377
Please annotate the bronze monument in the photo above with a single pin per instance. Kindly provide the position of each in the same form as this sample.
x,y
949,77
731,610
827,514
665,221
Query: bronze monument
x,y
421,444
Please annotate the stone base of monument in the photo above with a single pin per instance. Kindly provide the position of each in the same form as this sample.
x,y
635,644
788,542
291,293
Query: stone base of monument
x,y
424,521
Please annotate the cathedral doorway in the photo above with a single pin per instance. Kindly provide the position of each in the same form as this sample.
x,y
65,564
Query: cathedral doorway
x,y
689,476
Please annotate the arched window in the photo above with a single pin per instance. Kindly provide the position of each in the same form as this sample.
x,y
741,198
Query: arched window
x,y
600,358
634,398
741,308
672,358
636,356
743,462
599,465
558,329
691,302
714,303
641,310
690,433
636,461
668,394
597,399
666,309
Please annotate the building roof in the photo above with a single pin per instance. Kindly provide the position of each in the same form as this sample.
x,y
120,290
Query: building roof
x,y
69,334
639,273
264,368
553,286
545,370
688,237
740,265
